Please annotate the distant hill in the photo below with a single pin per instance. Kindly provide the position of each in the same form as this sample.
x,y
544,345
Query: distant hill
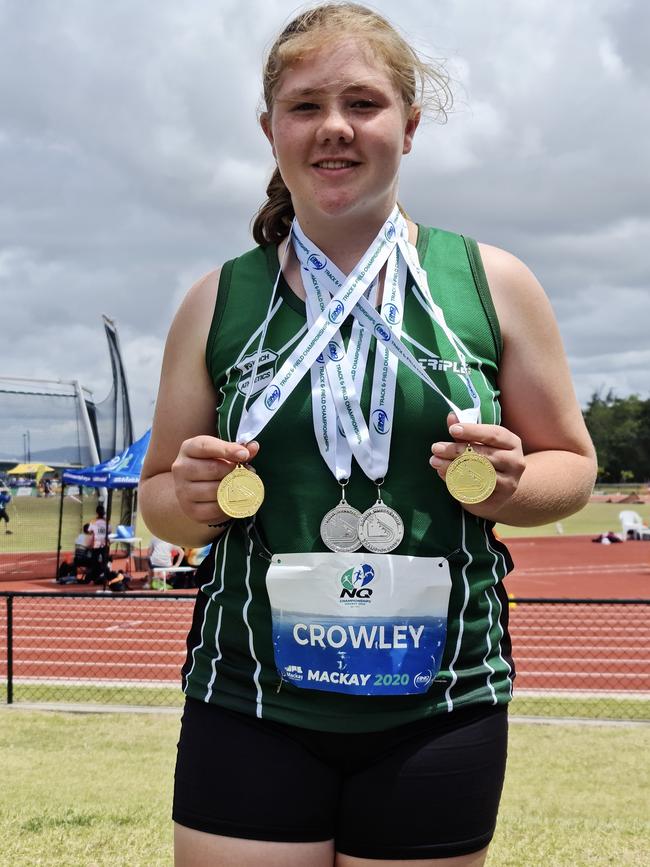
x,y
63,455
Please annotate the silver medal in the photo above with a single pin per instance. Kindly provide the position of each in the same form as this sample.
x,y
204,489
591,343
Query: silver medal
x,y
339,529
380,529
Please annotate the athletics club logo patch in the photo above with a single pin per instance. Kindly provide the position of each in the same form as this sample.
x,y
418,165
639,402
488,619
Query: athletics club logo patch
x,y
264,375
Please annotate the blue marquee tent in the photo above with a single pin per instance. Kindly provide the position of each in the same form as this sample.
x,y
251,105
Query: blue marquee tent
x,y
122,471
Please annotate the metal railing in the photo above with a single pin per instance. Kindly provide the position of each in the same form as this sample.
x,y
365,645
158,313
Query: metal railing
x,y
581,658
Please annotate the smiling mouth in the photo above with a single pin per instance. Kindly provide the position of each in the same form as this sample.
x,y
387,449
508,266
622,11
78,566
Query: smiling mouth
x,y
335,164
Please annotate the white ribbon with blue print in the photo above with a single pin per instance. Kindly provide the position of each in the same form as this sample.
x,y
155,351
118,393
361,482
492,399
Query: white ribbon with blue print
x,y
334,448
327,323
370,444
384,330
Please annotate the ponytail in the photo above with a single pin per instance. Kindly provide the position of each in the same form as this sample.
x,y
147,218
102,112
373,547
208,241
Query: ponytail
x,y
273,220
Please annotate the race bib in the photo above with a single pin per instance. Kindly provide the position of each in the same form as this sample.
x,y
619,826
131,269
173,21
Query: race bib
x,y
362,624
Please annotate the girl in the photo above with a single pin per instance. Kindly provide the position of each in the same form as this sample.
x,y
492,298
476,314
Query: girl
x,y
349,667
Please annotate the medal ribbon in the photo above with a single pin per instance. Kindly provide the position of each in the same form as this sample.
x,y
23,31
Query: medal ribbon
x,y
335,449
370,444
326,324
384,327
333,389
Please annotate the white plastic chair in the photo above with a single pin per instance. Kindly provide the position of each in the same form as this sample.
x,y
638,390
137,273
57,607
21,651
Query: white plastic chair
x,y
631,522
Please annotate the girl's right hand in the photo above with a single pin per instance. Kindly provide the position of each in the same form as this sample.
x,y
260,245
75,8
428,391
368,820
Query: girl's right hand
x,y
200,465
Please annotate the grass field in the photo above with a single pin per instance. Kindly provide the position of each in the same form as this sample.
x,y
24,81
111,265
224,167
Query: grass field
x,y
588,707
95,789
35,521
593,519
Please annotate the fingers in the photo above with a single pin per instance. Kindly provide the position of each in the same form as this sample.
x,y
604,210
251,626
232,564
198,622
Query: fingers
x,y
212,448
499,445
201,464
491,440
488,434
444,453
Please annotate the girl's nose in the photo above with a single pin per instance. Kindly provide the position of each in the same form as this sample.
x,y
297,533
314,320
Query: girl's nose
x,y
335,127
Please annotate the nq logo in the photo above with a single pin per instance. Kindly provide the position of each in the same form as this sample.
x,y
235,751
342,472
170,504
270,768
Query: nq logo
x,y
389,232
355,582
317,262
272,397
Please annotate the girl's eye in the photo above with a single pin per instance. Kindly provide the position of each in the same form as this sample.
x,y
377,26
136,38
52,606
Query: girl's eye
x,y
305,106
364,103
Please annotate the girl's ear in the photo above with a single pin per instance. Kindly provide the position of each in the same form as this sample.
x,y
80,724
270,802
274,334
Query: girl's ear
x,y
265,123
412,123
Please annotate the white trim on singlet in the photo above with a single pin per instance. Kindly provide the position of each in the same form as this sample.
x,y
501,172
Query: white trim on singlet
x,y
217,657
461,623
488,651
258,664
498,554
194,650
213,596
221,542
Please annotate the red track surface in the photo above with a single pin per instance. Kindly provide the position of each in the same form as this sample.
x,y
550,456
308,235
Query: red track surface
x,y
566,647
577,568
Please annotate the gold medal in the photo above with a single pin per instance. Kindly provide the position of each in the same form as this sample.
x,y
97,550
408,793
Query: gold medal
x,y
240,493
471,478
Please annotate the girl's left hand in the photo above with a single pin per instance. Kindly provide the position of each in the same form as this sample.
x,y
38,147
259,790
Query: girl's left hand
x,y
498,444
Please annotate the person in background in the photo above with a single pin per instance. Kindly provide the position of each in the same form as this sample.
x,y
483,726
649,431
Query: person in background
x,y
83,553
162,555
118,582
5,499
99,529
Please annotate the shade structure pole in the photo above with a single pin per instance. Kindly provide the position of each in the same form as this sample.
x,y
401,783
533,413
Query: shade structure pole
x,y
58,541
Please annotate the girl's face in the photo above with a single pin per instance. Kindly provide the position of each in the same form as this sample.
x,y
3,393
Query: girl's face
x,y
338,130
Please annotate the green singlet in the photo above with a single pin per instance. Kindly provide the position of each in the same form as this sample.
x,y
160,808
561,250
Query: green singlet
x,y
230,651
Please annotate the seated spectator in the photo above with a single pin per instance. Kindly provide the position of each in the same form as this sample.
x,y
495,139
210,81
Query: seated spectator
x,y
83,552
607,538
162,555
118,582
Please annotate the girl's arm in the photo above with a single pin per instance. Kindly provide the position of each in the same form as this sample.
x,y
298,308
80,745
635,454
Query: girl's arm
x,y
185,461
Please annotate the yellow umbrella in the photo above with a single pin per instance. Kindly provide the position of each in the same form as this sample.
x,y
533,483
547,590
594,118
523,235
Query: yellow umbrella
x,y
29,469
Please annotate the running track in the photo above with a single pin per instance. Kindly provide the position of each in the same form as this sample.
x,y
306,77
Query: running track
x,y
568,647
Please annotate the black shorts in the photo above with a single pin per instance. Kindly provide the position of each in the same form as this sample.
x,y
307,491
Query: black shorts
x,y
429,789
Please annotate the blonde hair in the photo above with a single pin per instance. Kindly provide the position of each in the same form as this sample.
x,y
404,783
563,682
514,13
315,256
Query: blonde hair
x,y
421,84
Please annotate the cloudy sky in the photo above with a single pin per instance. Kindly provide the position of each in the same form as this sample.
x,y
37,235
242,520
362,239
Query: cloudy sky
x,y
131,164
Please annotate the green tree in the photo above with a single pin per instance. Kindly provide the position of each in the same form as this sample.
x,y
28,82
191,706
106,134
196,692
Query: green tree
x,y
620,430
